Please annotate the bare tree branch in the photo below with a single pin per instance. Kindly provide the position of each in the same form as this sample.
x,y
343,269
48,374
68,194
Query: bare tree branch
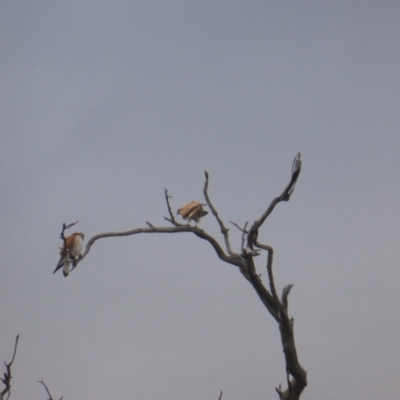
x,y
7,375
47,390
64,228
284,196
224,230
250,273
171,214
237,226
270,251
220,396
293,367
278,311
244,232
285,293
234,260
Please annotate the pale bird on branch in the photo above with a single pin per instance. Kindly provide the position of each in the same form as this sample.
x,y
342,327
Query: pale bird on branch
x,y
192,211
71,249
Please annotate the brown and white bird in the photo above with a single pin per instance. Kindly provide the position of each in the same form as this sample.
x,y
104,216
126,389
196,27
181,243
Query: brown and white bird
x,y
192,211
71,249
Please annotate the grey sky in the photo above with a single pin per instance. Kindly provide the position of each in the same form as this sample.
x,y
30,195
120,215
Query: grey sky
x,y
106,103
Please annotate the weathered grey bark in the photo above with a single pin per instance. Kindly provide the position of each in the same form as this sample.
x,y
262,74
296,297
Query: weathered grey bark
x,y
277,307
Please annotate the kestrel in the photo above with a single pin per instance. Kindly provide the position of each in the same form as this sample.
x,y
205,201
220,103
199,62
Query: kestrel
x,y
192,211
71,249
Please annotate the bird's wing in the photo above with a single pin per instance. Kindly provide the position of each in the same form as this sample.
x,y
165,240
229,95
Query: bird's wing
x,y
70,241
203,213
196,210
189,209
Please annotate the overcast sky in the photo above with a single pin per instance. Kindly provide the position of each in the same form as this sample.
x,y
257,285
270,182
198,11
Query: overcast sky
x,y
103,104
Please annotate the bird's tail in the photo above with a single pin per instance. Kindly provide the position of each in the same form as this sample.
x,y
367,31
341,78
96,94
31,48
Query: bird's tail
x,y
66,267
59,265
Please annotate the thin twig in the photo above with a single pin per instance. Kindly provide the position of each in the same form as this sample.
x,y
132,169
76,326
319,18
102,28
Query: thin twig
x,y
171,214
7,375
47,390
237,226
65,227
220,396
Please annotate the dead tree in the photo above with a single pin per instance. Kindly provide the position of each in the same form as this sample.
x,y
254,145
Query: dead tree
x,y
244,260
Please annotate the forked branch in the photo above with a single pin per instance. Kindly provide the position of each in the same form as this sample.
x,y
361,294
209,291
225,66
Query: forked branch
x,y
64,228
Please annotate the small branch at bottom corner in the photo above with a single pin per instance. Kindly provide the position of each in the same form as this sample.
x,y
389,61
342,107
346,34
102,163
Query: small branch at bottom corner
x,y
7,375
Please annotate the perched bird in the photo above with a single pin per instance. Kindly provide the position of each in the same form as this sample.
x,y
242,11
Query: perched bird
x,y
71,249
192,211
